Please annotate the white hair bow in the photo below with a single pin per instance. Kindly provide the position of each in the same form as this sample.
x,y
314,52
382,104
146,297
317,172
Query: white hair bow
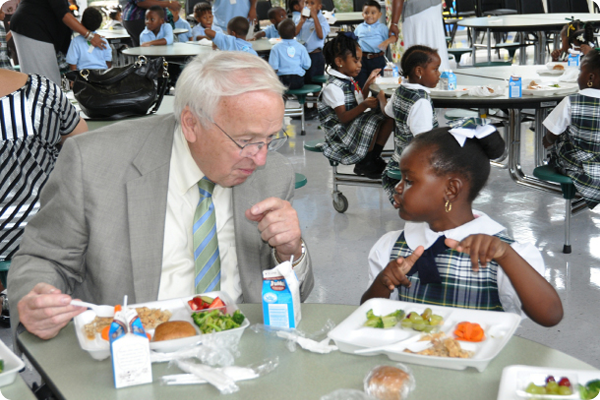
x,y
462,134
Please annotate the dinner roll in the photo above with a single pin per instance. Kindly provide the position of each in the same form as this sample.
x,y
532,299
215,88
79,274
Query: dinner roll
x,y
173,330
388,383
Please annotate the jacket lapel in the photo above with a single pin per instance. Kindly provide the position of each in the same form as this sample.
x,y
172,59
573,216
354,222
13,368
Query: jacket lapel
x,y
146,206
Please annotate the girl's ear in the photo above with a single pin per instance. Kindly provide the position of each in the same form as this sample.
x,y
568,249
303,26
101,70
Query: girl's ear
x,y
338,62
418,71
454,187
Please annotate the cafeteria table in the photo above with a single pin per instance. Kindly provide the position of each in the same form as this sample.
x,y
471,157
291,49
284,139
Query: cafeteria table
x,y
114,36
348,18
72,374
18,390
524,23
541,104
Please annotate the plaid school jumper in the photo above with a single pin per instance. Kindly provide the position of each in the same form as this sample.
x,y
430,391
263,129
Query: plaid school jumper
x,y
349,143
460,287
404,100
578,151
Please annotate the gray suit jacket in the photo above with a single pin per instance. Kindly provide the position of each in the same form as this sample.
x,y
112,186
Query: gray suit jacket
x,y
99,232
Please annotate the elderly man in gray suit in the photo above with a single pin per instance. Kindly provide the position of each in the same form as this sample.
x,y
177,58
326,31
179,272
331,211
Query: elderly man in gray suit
x,y
118,214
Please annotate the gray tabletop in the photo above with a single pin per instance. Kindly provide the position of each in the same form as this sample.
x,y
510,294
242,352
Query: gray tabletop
x,y
348,18
17,390
123,34
188,49
73,374
526,22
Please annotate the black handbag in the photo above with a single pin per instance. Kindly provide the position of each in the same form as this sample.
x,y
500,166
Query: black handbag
x,y
120,92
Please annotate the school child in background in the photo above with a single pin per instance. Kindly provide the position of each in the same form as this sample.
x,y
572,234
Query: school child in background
x,y
289,58
574,132
181,23
204,18
373,40
574,36
276,15
295,9
449,254
4,58
114,19
583,39
237,31
410,105
353,135
312,31
81,54
157,32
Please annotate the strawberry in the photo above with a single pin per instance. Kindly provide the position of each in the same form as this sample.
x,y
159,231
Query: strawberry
x,y
564,382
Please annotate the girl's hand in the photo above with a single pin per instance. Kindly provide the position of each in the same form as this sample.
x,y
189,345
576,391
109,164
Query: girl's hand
x,y
370,102
373,76
381,97
395,272
481,248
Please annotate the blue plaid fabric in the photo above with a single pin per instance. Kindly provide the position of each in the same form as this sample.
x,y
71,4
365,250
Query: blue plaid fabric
x,y
349,143
578,151
460,286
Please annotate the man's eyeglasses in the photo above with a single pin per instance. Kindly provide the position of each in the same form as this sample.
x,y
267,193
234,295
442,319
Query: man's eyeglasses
x,y
252,149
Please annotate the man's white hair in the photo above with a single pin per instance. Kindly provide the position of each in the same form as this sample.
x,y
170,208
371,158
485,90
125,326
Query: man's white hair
x,y
208,78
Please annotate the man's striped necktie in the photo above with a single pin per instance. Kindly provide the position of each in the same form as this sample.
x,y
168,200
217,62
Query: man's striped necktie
x,y
206,248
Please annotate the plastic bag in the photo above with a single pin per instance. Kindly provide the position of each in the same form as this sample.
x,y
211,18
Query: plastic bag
x,y
387,382
314,342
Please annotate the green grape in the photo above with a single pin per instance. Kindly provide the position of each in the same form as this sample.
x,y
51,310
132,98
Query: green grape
x,y
564,391
406,323
429,328
414,317
552,387
419,326
427,313
435,319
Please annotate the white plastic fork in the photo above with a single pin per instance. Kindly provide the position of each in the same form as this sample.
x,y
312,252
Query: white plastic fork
x,y
101,311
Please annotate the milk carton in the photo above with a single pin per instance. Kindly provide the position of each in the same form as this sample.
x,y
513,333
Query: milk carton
x,y
448,80
130,349
514,86
388,71
573,60
281,297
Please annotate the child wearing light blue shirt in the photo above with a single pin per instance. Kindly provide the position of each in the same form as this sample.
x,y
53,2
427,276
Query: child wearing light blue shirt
x,y
81,54
276,15
204,18
237,29
226,10
373,40
289,58
157,32
295,7
181,23
312,31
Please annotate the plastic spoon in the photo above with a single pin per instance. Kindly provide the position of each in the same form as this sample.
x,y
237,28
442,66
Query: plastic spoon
x,y
101,311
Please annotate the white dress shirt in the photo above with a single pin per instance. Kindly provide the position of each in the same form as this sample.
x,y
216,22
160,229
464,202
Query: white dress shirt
x,y
178,271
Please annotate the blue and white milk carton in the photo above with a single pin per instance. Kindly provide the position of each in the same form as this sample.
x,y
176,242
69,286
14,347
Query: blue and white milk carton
x,y
514,86
574,58
281,297
448,80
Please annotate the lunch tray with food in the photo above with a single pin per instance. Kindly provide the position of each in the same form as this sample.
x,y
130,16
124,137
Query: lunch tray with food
x,y
554,68
10,365
459,91
451,342
88,327
543,383
541,87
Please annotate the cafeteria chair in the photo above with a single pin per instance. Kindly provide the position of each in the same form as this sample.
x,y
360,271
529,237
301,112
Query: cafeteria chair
x,y
549,174
189,7
458,52
328,5
300,180
300,95
580,6
358,5
262,11
340,202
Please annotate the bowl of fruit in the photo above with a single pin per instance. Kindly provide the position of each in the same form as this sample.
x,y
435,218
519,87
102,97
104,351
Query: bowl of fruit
x,y
543,386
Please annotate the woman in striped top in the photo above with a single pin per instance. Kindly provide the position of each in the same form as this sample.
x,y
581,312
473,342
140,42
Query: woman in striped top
x,y
36,117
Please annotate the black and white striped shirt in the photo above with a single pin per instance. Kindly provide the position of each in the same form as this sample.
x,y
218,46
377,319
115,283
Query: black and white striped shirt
x,y
32,121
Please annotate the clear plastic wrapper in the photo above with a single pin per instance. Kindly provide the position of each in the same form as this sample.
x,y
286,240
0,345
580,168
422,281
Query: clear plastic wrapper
x,y
347,394
234,373
215,376
317,342
390,382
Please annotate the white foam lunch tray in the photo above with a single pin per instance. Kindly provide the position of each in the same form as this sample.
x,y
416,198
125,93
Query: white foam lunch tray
x,y
350,335
546,90
99,348
516,377
459,91
12,365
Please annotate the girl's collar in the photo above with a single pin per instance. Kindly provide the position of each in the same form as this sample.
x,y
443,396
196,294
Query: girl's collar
x,y
419,234
373,24
591,92
415,86
338,74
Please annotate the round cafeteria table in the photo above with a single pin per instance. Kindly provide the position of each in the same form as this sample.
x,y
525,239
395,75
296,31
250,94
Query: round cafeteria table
x,y
525,23
301,375
348,18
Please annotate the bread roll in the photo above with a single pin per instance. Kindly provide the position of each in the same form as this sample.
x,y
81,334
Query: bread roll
x,y
558,67
387,383
173,330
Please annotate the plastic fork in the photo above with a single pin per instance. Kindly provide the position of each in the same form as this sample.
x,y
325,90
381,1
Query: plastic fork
x,y
101,311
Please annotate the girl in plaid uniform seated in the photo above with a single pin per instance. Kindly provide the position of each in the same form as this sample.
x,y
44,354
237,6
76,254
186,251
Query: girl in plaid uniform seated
x,y
411,105
355,129
449,254
574,132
